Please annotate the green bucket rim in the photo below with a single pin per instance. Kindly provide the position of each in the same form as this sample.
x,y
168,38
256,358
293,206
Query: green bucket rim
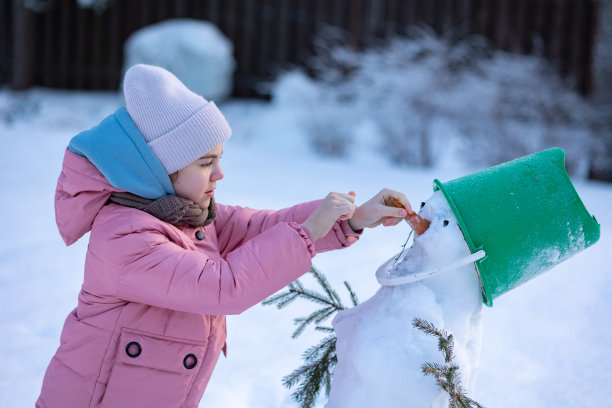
x,y
486,296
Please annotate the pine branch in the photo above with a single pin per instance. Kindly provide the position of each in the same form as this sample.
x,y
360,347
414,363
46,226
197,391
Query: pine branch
x,y
315,317
447,375
472,402
462,400
329,298
319,361
331,293
445,340
281,299
446,346
324,329
284,298
437,370
319,298
354,298
428,328
315,373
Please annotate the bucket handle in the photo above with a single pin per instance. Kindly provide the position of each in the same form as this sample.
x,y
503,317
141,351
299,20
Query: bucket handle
x,y
414,277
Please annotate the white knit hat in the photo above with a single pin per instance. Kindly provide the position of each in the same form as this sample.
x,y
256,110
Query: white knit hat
x,y
178,125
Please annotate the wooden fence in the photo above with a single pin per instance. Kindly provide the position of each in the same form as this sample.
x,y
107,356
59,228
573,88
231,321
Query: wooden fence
x,y
65,46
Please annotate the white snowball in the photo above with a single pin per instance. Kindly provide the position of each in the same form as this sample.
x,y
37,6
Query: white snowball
x,y
196,52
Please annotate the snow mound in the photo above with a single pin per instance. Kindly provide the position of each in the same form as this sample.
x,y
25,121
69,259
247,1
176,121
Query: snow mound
x,y
380,353
196,52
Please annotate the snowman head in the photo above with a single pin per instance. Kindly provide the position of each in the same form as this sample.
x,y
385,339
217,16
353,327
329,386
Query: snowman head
x,y
440,248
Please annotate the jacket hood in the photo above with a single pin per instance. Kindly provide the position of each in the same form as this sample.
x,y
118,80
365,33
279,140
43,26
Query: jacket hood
x,y
119,151
81,193
111,156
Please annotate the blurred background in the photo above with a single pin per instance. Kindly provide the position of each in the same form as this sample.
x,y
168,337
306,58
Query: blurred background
x,y
322,95
501,78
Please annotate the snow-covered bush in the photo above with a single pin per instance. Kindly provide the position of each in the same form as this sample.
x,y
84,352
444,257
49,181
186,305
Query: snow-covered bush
x,y
328,123
602,93
196,52
15,107
42,6
426,94
602,59
526,108
98,5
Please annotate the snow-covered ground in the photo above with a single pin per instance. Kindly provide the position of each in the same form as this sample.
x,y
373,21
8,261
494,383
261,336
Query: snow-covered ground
x,y
545,344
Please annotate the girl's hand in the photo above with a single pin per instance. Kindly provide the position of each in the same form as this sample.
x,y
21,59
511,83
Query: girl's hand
x,y
376,211
333,207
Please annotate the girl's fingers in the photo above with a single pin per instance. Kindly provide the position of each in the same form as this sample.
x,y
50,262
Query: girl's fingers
x,y
397,199
391,221
394,212
395,221
334,196
350,197
347,212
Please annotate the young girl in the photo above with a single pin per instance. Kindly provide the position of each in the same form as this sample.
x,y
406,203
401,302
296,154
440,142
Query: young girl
x,y
165,263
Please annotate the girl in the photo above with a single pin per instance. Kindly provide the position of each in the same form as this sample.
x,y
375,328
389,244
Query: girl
x,y
165,263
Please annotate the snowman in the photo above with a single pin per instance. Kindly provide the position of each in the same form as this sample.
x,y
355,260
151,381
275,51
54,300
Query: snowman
x,y
525,214
380,353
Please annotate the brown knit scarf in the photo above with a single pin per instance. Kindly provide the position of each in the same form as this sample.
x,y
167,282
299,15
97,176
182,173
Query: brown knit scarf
x,y
174,210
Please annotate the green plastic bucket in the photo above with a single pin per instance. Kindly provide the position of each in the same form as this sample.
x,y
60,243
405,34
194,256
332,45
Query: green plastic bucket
x,y
525,214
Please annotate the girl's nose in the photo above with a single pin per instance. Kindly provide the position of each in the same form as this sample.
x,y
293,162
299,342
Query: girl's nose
x,y
217,174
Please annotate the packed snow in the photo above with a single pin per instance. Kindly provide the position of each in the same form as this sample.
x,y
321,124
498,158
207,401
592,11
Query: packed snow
x,y
197,52
380,353
543,344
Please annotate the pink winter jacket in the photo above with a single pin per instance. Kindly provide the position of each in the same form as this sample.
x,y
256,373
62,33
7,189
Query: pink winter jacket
x,y
149,325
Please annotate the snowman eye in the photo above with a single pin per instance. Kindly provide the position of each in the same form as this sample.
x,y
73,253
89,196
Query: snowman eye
x,y
445,223
422,204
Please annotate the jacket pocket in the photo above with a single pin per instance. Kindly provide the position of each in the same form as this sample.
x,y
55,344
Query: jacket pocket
x,y
152,371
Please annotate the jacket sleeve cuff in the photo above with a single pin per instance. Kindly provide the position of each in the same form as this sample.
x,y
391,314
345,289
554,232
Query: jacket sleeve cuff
x,y
306,236
349,235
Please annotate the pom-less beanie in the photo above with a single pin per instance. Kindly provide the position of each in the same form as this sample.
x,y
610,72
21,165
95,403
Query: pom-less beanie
x,y
178,125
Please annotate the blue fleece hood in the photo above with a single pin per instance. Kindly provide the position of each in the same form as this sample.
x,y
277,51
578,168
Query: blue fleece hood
x,y
119,151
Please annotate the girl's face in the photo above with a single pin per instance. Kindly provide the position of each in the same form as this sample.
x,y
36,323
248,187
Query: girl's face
x,y
198,180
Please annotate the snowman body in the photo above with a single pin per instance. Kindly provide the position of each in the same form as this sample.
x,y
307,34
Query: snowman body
x,y
380,353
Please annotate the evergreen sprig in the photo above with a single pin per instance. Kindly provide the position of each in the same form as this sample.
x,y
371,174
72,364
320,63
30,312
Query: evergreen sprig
x,y
320,360
445,340
447,375
318,368
328,298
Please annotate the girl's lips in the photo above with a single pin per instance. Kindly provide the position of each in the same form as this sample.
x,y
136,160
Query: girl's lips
x,y
210,193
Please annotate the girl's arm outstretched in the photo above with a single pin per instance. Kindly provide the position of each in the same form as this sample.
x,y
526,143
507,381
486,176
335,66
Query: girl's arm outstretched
x,y
148,267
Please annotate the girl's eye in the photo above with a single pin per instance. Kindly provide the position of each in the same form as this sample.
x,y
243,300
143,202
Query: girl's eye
x,y
209,163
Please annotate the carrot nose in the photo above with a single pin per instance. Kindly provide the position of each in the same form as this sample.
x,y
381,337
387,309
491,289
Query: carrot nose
x,y
418,224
